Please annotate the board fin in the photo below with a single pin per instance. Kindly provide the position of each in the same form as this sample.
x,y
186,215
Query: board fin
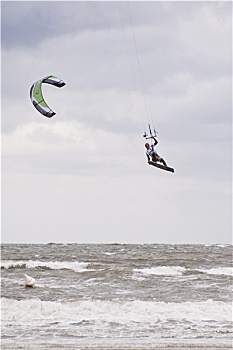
x,y
160,166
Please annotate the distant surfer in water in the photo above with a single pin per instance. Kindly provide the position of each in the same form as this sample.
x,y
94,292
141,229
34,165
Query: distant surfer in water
x,y
152,154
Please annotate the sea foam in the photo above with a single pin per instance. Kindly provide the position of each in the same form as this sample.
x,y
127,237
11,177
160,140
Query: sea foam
x,y
53,265
162,270
113,311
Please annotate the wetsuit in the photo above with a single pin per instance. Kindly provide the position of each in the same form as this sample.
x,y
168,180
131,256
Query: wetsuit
x,y
151,152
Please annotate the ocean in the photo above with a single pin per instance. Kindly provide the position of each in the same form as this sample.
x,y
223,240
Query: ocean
x,y
116,296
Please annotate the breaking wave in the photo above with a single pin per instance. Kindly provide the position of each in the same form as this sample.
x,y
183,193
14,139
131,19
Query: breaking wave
x,y
113,311
52,265
178,271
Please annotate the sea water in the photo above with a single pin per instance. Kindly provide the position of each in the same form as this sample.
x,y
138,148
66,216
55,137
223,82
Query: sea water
x,y
124,296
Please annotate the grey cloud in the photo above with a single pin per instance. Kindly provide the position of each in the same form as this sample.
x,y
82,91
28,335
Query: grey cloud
x,y
47,19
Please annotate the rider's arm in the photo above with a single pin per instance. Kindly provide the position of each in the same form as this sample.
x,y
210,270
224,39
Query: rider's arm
x,y
155,141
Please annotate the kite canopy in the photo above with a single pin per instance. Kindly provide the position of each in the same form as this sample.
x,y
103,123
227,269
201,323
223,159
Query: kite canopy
x,y
37,96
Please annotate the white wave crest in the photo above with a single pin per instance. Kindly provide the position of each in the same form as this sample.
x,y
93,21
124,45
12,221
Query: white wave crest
x,y
53,265
45,312
178,270
219,271
162,270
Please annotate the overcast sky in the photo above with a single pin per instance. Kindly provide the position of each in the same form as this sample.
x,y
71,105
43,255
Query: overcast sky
x,y
82,176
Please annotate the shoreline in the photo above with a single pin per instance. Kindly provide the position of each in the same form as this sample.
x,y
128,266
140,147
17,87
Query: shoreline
x,y
77,347
118,345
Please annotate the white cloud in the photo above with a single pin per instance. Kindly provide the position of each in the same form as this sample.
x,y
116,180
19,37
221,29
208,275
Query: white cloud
x,y
44,137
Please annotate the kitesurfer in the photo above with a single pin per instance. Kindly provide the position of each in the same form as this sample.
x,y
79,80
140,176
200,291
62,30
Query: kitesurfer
x,y
152,154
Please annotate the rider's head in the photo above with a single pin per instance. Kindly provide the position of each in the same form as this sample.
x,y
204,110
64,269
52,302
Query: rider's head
x,y
147,145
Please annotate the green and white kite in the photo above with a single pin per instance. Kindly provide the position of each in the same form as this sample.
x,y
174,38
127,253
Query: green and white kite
x,y
37,96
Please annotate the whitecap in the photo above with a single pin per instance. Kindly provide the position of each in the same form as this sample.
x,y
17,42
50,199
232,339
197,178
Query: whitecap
x,y
47,312
53,265
162,270
219,271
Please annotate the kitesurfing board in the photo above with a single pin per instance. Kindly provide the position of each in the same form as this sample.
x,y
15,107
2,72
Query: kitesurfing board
x,y
167,168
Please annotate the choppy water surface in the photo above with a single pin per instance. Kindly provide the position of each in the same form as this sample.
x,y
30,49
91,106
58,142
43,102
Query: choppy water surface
x,y
103,295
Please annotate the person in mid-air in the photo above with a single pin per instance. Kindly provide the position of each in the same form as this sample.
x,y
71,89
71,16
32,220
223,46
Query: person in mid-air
x,y
152,154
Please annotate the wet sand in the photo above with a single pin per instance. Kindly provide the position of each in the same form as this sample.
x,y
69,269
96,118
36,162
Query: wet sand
x,y
128,346
192,347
